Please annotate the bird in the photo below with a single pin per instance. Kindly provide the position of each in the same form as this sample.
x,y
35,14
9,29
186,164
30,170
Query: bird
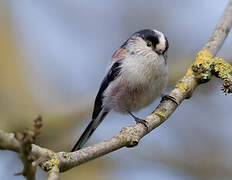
x,y
136,76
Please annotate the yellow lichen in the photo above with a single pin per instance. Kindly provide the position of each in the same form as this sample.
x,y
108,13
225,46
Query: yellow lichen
x,y
222,68
49,152
182,87
189,71
203,57
53,162
204,67
161,115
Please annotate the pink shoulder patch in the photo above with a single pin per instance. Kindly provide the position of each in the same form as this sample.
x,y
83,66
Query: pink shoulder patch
x,y
119,54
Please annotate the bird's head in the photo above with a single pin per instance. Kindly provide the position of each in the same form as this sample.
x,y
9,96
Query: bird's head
x,y
148,42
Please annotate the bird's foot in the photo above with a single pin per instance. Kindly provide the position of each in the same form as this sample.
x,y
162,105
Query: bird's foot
x,y
142,121
138,120
168,97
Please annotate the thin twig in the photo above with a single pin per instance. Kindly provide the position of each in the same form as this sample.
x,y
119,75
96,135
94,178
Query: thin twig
x,y
25,146
129,136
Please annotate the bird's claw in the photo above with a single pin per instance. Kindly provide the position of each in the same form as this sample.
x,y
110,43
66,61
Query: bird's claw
x,y
142,121
168,97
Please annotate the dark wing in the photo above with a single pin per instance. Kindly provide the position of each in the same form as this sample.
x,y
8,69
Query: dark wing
x,y
96,118
111,75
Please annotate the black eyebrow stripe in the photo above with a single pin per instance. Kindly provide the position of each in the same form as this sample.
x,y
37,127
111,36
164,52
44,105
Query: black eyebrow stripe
x,y
149,35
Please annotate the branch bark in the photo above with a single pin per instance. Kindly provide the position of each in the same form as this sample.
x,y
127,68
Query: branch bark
x,y
131,135
54,174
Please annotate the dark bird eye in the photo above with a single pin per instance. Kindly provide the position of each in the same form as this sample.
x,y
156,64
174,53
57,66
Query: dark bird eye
x,y
149,43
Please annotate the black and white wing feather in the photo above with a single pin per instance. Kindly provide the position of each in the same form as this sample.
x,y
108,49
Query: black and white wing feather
x,y
98,112
111,75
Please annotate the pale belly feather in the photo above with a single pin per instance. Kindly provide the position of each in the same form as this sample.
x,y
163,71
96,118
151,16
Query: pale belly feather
x,y
136,87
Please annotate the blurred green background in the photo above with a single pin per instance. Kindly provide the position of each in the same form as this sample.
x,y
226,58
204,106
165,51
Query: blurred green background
x,y
53,56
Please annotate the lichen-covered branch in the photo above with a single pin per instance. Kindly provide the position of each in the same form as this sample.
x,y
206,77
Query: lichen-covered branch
x,y
53,174
204,67
130,136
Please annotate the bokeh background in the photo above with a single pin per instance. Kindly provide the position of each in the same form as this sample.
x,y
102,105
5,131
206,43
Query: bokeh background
x,y
53,56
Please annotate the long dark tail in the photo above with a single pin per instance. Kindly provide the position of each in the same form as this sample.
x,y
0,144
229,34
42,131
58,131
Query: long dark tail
x,y
89,131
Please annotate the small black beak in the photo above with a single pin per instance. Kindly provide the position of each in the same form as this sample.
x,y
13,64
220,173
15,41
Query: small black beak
x,y
159,52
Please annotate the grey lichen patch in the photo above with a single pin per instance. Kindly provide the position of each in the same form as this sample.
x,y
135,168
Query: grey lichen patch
x,y
227,85
130,136
223,29
65,155
202,73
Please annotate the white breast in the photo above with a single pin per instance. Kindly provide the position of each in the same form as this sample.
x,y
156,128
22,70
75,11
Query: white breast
x,y
140,82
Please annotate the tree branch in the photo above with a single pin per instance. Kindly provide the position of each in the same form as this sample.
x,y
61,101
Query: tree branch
x,y
53,174
200,71
130,136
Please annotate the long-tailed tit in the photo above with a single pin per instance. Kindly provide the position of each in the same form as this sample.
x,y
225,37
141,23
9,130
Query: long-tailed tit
x,y
136,76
